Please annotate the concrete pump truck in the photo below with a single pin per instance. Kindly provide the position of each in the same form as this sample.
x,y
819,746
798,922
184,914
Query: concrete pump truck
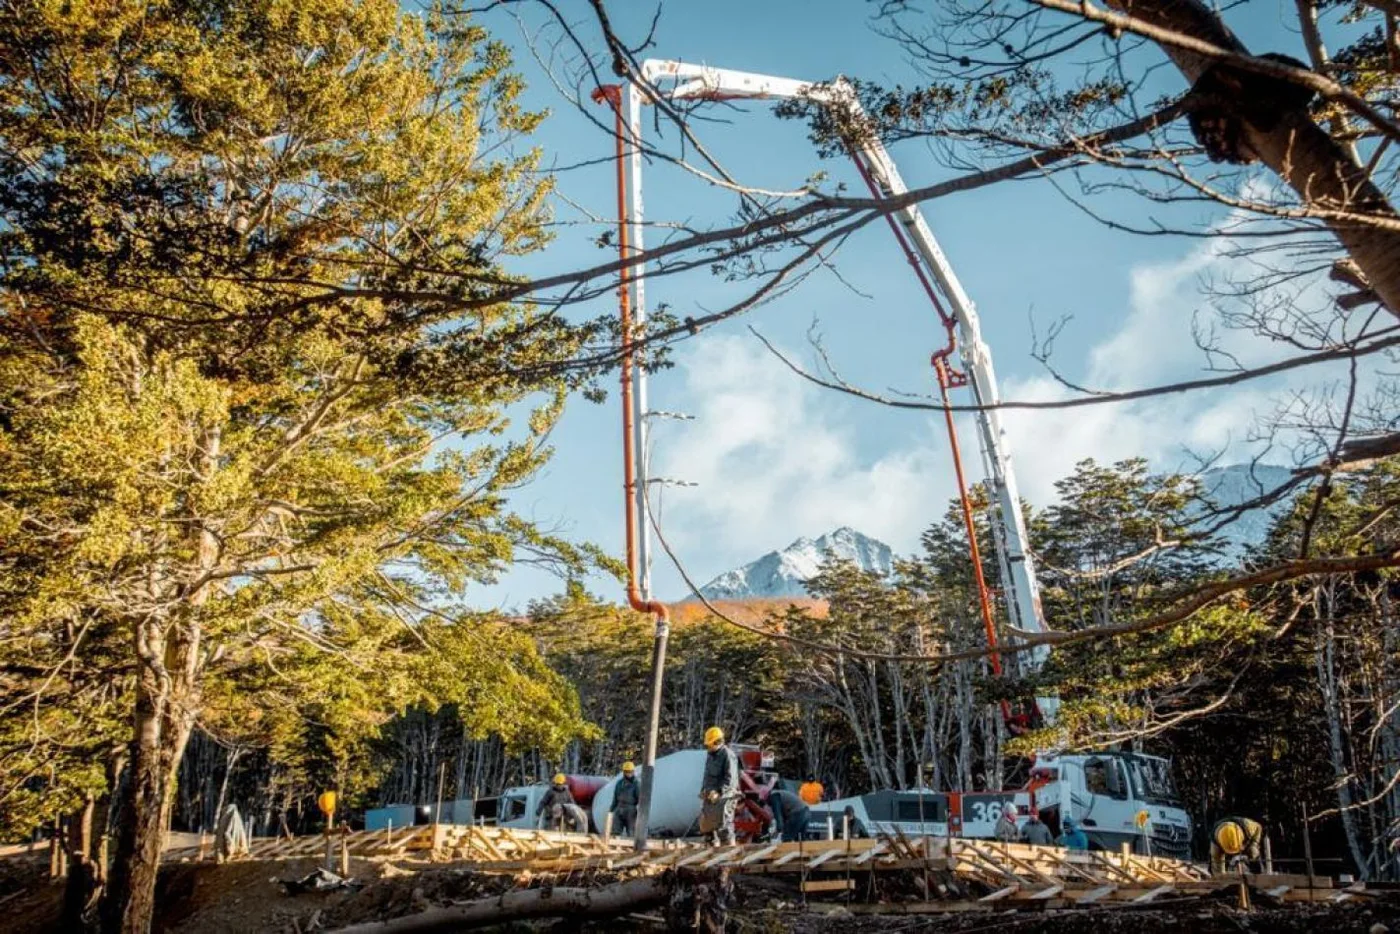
x,y
1116,797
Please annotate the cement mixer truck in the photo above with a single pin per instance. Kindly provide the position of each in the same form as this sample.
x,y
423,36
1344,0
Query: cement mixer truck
x,y
675,803
516,806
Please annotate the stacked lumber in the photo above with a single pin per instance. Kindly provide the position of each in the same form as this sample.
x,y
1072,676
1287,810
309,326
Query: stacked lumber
x,y
955,874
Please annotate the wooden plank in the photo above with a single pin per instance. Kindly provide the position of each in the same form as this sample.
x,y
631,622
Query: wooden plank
x,y
1111,869
828,885
999,894
1093,895
480,842
1047,894
1278,891
632,861
1025,866
900,844
757,855
1153,893
825,857
1296,880
1140,868
869,854
722,857
691,858
976,858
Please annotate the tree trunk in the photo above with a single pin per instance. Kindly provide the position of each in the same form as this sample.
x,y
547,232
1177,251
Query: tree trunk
x,y
1304,155
1325,661
606,902
165,708
82,875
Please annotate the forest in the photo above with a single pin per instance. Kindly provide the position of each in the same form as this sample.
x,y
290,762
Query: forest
x,y
1275,704
276,356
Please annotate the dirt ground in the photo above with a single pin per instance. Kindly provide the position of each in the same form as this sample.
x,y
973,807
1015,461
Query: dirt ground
x,y
245,897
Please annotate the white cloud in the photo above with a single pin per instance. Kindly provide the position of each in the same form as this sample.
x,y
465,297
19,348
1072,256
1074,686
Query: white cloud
x,y
774,458
1155,346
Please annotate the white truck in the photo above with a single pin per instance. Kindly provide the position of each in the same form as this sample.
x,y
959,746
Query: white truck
x,y
1115,797
517,805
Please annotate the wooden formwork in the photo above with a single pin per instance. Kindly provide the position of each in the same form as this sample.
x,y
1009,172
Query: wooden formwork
x,y
496,846
954,874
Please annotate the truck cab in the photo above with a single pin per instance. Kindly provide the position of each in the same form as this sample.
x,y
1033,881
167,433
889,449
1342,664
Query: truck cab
x,y
1117,798
516,806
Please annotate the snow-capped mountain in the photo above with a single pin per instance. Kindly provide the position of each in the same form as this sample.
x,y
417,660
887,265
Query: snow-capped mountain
x,y
785,573
1238,484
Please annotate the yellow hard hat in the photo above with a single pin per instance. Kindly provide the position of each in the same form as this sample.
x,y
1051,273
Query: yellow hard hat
x,y
628,767
1229,837
560,779
713,737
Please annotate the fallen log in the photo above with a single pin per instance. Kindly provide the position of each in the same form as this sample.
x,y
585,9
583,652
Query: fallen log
x,y
604,902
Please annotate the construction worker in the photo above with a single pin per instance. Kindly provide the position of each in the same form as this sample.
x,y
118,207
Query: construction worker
x,y
719,790
811,790
1036,833
557,804
1007,831
790,815
1073,838
626,793
1235,840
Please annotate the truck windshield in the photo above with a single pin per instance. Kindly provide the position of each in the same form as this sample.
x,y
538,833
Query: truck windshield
x,y
1152,780
512,808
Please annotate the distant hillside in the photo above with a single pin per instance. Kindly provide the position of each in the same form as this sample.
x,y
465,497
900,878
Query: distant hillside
x,y
785,573
752,612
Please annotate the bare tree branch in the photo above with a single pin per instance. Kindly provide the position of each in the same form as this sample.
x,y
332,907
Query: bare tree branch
x,y
1348,352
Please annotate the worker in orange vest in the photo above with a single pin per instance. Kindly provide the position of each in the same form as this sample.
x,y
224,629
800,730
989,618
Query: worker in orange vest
x,y
811,791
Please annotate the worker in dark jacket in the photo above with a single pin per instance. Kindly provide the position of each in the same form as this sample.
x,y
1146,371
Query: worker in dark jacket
x,y
719,790
1235,839
557,804
626,793
1035,832
790,815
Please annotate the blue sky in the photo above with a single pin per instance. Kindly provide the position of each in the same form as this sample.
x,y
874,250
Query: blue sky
x,y
773,458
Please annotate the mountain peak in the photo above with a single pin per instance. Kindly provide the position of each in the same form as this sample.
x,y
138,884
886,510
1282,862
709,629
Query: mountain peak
x,y
785,573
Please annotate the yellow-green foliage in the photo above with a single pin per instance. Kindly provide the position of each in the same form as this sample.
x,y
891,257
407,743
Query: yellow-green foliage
x,y
259,404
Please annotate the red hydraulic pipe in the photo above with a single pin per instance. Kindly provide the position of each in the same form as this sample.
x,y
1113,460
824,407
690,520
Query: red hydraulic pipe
x,y
613,95
946,352
947,376
941,367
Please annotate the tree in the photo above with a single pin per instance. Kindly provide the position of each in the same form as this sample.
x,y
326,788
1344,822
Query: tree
x,y
256,419
715,674
1344,628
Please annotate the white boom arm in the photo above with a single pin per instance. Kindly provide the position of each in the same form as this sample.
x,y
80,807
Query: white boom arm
x,y
680,81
